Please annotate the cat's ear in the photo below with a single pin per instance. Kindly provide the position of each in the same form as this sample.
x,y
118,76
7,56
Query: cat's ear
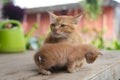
x,y
77,18
100,53
52,16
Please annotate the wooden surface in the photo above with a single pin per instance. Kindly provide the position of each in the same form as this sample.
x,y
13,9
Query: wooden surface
x,y
20,66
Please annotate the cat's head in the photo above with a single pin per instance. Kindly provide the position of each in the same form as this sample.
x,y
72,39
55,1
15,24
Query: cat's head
x,y
62,26
92,53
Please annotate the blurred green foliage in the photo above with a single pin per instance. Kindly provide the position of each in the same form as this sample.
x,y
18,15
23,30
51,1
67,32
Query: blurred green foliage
x,y
35,43
6,1
115,45
96,37
92,8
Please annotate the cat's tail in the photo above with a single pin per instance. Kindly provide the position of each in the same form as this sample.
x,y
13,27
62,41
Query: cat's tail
x,y
37,59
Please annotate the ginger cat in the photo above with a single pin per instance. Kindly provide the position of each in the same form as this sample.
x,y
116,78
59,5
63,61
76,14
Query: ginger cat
x,y
64,55
64,29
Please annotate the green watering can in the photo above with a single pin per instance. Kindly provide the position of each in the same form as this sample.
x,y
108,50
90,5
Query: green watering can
x,y
13,39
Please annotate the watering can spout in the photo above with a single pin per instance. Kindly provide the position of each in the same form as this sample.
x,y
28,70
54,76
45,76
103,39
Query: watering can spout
x,y
35,26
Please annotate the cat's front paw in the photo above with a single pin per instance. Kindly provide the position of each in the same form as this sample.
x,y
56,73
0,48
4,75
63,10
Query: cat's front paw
x,y
46,73
71,70
77,69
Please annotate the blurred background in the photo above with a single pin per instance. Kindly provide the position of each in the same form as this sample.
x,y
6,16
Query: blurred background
x,y
99,25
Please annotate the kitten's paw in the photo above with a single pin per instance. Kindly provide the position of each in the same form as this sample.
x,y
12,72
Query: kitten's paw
x,y
46,73
77,69
71,70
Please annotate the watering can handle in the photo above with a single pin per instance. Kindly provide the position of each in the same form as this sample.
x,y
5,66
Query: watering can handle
x,y
11,21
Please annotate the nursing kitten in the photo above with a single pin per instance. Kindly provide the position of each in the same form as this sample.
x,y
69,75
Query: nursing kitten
x,y
64,29
64,55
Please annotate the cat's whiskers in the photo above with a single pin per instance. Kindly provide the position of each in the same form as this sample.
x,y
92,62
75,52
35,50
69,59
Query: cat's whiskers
x,y
60,35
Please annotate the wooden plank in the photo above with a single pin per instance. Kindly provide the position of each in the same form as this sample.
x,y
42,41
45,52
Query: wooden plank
x,y
22,67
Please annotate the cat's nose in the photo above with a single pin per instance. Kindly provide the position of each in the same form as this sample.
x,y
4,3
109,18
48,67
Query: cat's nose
x,y
55,30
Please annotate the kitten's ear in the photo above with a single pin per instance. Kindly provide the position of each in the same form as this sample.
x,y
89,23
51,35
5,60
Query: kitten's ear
x,y
100,53
77,18
52,16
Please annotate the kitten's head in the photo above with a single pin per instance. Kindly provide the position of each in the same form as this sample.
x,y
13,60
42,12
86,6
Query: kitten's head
x,y
62,26
91,53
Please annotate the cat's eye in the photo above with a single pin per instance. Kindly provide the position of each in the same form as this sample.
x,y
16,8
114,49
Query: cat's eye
x,y
63,25
53,25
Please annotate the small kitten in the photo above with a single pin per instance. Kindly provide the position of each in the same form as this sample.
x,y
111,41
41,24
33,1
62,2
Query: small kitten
x,y
63,29
64,55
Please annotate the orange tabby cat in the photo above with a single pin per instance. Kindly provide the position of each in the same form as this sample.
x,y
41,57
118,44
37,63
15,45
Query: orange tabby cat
x,y
64,55
63,29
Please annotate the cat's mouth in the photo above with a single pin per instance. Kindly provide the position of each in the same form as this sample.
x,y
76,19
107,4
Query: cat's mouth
x,y
55,33
58,35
